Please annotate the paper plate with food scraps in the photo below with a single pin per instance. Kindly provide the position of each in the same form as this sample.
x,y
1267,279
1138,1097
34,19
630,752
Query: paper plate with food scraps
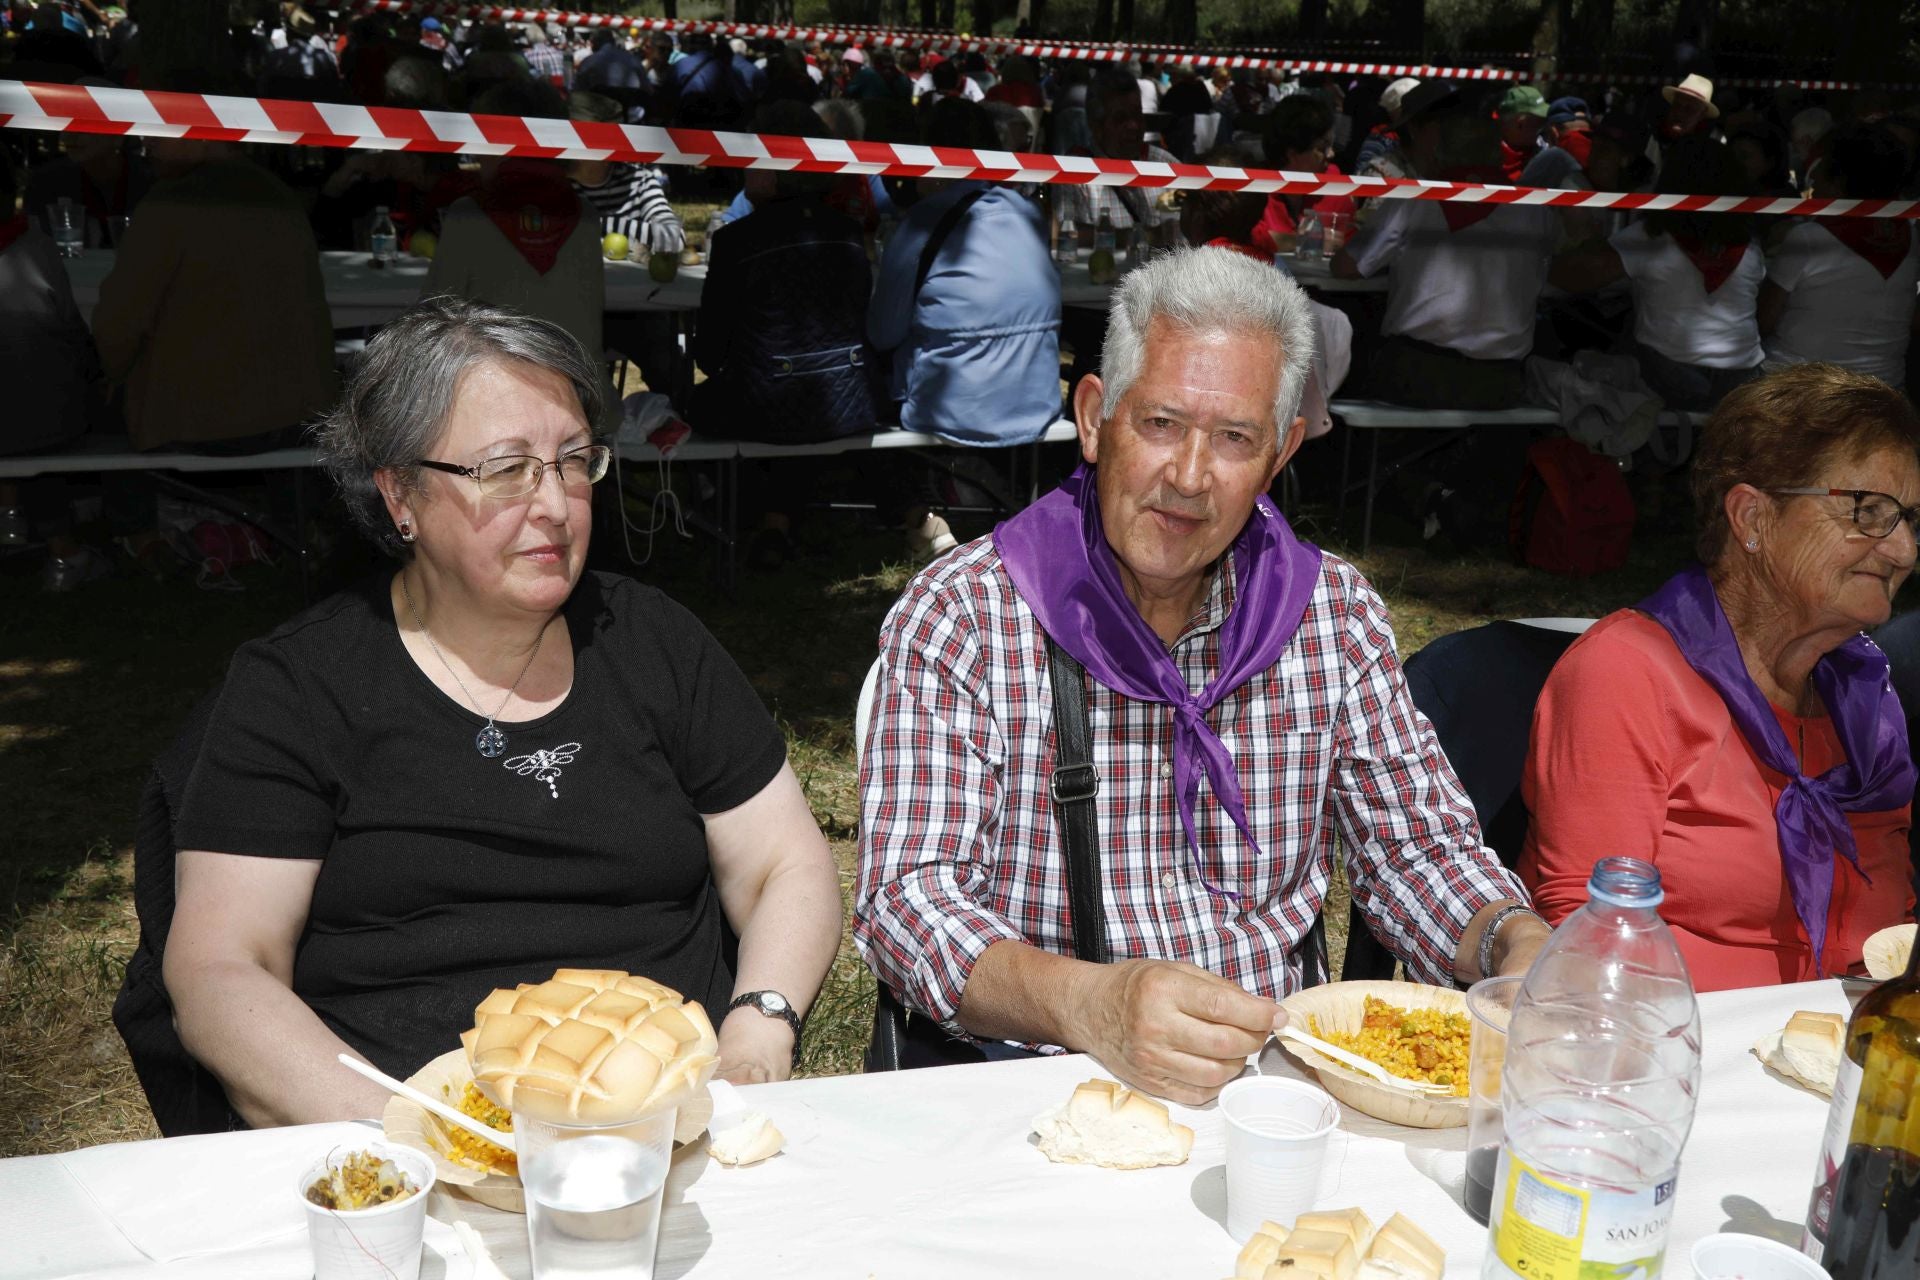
x,y
461,1160
1414,1031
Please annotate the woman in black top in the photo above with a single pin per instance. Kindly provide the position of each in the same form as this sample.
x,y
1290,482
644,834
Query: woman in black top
x,y
484,767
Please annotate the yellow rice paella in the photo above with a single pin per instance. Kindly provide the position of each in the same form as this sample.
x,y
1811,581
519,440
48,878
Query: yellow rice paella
x,y
1416,1044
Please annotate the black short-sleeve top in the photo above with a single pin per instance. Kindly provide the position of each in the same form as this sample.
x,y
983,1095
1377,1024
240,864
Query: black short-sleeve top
x,y
444,873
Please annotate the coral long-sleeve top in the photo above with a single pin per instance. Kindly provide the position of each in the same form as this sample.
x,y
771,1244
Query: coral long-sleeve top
x,y
1633,753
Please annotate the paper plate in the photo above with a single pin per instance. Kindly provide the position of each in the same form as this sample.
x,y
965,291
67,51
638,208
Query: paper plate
x,y
1340,1007
1886,952
413,1126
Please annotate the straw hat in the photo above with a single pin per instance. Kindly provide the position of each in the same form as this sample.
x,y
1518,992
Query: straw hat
x,y
1694,86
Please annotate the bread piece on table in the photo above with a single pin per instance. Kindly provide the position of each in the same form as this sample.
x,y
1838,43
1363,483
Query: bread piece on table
x,y
1328,1254
590,1046
750,1139
1260,1251
1107,1124
1402,1251
1352,1223
1811,1044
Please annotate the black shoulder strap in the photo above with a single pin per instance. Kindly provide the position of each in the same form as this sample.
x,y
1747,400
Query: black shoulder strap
x,y
941,230
1075,784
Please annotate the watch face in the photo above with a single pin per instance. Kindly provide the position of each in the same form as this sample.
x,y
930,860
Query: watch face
x,y
773,1002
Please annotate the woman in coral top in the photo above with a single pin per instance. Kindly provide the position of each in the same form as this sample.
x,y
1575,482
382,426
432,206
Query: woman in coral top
x,y
1735,727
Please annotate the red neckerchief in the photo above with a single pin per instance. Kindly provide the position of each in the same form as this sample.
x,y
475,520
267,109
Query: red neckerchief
x,y
1460,215
12,229
1884,242
1256,254
534,207
1578,144
1714,262
1512,161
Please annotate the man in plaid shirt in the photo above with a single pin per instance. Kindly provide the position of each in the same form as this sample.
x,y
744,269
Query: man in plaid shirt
x,y
1218,808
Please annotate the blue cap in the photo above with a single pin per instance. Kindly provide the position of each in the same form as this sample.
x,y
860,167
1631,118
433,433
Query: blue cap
x,y
429,24
1562,110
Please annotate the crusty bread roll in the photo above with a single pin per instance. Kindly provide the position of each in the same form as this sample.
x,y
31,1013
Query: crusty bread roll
x,y
1105,1123
749,1139
1886,951
1402,1251
590,1046
1330,1245
1807,1049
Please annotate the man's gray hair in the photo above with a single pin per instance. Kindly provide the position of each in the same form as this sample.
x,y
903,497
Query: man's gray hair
x,y
1207,291
842,115
401,390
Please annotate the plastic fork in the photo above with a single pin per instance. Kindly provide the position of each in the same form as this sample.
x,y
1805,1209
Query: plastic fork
x,y
1361,1064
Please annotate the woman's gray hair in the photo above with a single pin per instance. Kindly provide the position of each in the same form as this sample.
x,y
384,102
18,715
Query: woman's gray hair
x,y
1206,291
842,115
401,390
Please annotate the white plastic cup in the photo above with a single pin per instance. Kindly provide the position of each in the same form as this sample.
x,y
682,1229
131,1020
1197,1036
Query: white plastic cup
x,y
1732,1256
1276,1143
381,1243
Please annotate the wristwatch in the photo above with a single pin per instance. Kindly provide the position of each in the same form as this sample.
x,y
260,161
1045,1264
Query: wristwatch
x,y
773,1005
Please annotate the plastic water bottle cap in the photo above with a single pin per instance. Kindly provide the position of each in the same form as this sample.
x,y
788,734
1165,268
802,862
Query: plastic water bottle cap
x,y
1626,882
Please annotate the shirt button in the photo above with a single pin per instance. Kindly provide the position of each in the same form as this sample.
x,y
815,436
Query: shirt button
x,y
1166,771
1167,882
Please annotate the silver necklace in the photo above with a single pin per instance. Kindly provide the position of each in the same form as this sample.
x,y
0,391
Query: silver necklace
x,y
490,741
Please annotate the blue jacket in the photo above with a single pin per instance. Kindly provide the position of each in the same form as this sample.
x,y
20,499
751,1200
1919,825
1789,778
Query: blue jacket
x,y
976,355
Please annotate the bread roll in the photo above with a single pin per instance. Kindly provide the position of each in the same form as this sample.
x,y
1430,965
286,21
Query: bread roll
x,y
590,1046
1107,1124
1352,1223
1261,1251
1402,1251
750,1139
1328,1254
1807,1049
1886,951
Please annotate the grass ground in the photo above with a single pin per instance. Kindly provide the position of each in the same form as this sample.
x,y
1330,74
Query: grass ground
x,y
93,684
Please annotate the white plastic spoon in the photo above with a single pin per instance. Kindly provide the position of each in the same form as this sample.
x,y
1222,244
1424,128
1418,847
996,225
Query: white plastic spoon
x,y
451,1115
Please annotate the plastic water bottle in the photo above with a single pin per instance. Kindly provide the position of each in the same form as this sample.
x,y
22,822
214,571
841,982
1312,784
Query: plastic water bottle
x,y
385,241
1602,1074
1066,242
1103,237
69,227
1312,243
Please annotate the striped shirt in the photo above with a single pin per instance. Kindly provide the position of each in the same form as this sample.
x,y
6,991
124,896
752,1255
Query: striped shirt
x,y
959,848
630,200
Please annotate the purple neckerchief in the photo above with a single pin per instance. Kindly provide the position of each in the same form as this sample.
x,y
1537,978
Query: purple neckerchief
x,y
1057,555
1877,775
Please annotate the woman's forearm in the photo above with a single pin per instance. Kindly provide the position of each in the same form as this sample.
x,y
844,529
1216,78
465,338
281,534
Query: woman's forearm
x,y
792,932
271,1053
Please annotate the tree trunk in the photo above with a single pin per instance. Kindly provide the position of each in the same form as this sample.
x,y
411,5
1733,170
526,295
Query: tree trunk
x,y
982,17
670,8
929,13
1036,17
946,15
1123,20
1410,25
1596,27
1313,20
1549,40
1103,19
184,37
1183,22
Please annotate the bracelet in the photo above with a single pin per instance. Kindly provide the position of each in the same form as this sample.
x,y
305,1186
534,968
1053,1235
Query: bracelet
x,y
1492,932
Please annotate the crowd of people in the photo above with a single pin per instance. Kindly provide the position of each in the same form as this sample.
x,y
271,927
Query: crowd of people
x,y
580,775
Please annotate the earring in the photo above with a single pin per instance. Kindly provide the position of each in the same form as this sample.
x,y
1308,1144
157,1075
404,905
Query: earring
x,y
407,535
1753,544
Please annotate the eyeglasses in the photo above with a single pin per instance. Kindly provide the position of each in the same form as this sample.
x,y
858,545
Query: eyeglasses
x,y
1874,514
518,474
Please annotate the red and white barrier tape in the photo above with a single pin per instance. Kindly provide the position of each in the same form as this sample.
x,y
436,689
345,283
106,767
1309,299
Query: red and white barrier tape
x,y
84,109
1085,52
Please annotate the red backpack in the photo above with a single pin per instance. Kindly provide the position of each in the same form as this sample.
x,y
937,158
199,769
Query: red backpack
x,y
1572,513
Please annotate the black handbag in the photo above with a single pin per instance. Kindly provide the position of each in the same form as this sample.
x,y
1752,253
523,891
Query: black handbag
x,y
905,1039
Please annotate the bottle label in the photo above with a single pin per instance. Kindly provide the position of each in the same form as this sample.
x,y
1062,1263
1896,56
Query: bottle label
x,y
1833,1154
1546,1229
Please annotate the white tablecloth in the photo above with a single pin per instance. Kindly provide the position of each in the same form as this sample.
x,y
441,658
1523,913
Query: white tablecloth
x,y
918,1175
358,294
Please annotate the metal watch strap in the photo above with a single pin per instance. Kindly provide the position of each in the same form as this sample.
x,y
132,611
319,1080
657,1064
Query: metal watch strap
x,y
1075,783
1492,932
787,1014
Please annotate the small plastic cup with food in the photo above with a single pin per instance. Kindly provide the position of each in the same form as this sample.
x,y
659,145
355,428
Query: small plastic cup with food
x,y
367,1212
